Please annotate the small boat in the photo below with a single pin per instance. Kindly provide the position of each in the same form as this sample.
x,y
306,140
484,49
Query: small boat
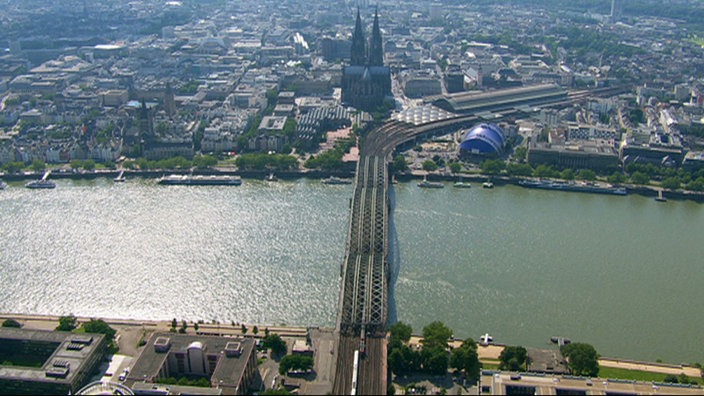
x,y
120,177
271,177
486,339
335,180
428,184
35,184
461,184
488,184
44,182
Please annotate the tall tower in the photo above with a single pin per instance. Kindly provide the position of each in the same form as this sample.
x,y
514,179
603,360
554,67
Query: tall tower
x,y
376,51
146,128
359,47
169,102
616,9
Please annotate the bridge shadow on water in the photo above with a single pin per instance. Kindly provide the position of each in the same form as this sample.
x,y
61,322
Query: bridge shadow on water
x,y
394,258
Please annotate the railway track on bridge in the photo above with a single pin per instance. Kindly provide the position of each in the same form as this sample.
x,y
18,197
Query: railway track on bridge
x,y
361,350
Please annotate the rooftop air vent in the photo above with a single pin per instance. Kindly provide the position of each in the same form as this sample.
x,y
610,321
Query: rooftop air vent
x,y
233,349
162,344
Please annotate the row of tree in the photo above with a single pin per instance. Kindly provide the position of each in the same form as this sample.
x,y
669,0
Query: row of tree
x,y
331,159
199,161
641,174
433,357
263,161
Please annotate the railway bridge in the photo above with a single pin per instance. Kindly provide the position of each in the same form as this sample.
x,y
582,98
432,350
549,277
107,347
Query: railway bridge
x,y
361,366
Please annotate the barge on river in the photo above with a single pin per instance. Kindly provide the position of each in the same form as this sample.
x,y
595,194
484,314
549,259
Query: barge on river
x,y
200,180
589,187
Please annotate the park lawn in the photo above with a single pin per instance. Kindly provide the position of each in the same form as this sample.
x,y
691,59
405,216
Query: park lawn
x,y
618,373
490,365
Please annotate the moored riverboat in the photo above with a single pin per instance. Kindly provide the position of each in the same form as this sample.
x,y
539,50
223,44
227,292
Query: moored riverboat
x,y
335,180
589,187
200,180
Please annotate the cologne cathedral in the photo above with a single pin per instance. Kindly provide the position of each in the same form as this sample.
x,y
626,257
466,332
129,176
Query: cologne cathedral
x,y
366,81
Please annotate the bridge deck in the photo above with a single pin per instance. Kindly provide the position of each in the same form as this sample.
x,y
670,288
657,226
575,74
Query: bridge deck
x,y
365,271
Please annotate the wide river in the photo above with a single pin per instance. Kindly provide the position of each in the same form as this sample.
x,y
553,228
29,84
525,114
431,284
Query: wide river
x,y
622,273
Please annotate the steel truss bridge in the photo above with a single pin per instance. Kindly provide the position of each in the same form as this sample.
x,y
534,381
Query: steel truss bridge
x,y
363,306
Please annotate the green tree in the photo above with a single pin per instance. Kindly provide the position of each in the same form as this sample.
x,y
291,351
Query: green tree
x,y
397,361
492,167
545,171
640,178
696,185
466,359
99,326
67,323
290,126
435,359
255,330
243,329
204,161
636,116
513,358
174,323
430,166
616,178
567,174
38,165
586,174
282,391
11,323
401,331
272,96
436,334
582,359
295,362
455,167
671,183
13,166
515,169
671,378
520,153
76,164
89,165
274,342
399,164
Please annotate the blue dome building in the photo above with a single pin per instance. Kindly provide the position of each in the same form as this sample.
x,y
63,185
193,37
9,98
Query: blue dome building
x,y
485,140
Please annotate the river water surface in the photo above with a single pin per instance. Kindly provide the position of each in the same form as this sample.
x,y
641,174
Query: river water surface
x,y
622,273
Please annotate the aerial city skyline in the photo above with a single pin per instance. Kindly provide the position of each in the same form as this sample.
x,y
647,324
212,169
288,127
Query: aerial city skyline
x,y
237,197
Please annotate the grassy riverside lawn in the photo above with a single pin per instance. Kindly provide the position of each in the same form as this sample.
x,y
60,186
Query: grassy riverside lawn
x,y
638,375
613,373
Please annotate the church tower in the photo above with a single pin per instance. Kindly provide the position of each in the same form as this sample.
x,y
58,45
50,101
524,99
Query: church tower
x,y
376,52
359,47
169,100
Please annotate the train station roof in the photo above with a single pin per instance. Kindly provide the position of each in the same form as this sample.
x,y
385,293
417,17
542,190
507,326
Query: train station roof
x,y
423,115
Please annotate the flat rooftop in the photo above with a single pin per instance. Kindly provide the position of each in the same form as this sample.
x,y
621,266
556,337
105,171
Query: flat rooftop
x,y
508,383
228,371
70,351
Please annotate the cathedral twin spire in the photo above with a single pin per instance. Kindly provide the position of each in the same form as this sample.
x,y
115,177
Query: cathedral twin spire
x,y
361,54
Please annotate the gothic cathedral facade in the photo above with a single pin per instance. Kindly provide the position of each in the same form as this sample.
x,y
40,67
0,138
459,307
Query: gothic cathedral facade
x,y
366,82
